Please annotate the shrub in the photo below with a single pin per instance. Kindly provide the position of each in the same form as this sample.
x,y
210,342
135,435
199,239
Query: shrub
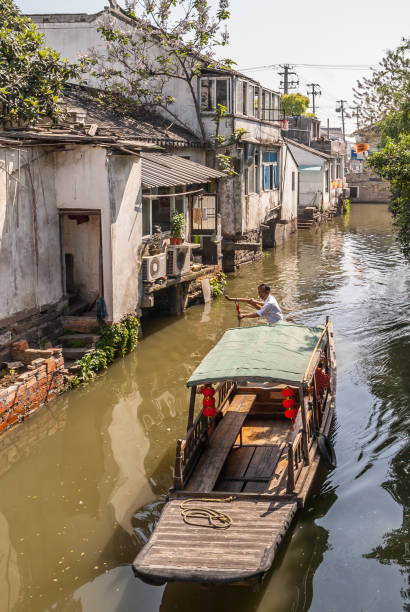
x,y
116,340
218,283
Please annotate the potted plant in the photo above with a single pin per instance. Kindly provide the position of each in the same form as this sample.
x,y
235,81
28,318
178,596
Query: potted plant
x,y
177,227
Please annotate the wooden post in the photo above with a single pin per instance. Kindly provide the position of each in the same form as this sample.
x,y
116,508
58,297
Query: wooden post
x,y
315,406
305,445
290,485
191,408
178,475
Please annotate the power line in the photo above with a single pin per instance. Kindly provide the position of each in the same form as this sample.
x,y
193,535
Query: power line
x,y
320,66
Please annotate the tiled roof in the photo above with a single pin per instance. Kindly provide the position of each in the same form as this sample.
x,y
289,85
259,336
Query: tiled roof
x,y
143,125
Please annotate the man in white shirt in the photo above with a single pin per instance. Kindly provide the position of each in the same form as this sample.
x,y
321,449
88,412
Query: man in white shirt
x,y
268,307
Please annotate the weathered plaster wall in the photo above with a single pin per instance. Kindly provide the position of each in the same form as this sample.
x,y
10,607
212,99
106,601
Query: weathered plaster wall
x,y
310,183
29,232
126,232
81,184
289,196
371,187
30,271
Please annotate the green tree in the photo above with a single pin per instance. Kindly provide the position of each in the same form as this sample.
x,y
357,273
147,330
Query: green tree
x,y
294,104
393,164
32,76
382,95
153,41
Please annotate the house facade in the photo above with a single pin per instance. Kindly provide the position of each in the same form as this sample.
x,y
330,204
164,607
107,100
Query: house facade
x,y
75,223
257,203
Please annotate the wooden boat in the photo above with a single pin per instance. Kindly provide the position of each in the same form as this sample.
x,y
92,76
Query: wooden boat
x,y
241,474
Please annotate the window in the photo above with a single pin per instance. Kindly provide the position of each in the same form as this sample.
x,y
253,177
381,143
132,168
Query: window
x,y
256,102
263,105
158,211
270,170
239,96
251,172
275,112
215,91
327,180
293,181
244,97
251,101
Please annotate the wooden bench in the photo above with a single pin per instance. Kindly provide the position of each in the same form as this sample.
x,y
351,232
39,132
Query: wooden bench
x,y
210,464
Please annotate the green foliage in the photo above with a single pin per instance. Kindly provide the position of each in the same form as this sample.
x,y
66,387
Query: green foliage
x,y
132,325
114,336
177,224
218,283
91,363
393,164
116,340
32,77
294,104
346,206
161,39
225,164
382,95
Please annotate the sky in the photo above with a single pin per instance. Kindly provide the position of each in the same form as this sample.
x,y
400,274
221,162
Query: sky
x,y
265,33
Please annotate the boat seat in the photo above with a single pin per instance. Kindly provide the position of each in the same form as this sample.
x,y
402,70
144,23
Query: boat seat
x,y
212,459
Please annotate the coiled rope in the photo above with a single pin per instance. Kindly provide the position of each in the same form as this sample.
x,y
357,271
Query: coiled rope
x,y
213,518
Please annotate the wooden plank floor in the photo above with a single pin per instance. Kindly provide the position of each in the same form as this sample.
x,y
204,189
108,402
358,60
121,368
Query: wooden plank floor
x,y
177,551
221,442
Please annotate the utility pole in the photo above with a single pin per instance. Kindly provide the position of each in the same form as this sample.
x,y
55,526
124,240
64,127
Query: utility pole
x,y
286,84
355,112
315,92
341,109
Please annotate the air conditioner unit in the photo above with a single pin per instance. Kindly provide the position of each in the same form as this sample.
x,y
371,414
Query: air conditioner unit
x,y
178,260
154,267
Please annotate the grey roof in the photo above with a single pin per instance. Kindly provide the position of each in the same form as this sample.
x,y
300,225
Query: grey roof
x,y
164,170
134,123
305,156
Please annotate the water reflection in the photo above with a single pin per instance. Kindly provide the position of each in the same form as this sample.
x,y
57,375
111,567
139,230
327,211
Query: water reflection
x,y
83,481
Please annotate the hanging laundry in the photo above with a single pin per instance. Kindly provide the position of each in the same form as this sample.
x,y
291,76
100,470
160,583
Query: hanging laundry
x,y
204,214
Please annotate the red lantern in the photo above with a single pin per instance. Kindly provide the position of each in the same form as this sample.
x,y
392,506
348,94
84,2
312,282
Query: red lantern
x,y
209,401
288,392
288,403
291,414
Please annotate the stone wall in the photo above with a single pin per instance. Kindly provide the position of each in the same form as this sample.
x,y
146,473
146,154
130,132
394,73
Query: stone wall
x,y
34,325
372,188
42,381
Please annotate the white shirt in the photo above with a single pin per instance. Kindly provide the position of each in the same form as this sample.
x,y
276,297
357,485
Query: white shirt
x,y
270,310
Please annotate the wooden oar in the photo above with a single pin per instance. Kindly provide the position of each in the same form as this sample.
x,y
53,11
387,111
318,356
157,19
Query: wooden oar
x,y
238,310
234,299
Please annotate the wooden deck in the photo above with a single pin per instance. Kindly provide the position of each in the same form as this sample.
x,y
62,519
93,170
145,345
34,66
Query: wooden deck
x,y
181,552
212,460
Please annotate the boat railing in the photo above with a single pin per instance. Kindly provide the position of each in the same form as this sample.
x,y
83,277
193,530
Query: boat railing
x,y
190,448
298,452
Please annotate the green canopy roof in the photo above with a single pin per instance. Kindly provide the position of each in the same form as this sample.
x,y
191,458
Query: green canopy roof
x,y
279,352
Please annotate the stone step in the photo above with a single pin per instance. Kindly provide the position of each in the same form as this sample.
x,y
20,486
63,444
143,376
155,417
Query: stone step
x,y
79,340
85,324
78,307
72,354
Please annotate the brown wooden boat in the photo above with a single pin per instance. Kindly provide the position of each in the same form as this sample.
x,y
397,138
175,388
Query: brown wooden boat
x,y
242,473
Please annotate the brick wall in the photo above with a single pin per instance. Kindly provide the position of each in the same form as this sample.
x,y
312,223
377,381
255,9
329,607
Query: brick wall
x,y
43,380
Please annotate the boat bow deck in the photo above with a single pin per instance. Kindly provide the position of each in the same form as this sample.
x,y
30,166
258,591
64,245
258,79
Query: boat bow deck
x,y
177,551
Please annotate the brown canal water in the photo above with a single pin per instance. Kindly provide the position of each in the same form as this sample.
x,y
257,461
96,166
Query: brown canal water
x,y
83,481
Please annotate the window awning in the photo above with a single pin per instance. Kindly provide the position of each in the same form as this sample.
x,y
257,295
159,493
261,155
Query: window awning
x,y
164,170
